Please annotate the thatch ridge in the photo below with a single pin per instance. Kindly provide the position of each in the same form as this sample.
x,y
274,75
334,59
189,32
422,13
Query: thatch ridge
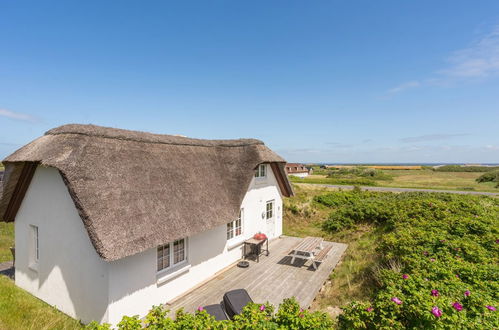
x,y
127,135
136,190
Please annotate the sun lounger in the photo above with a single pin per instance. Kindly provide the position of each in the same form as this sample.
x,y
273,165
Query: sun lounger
x,y
217,311
235,300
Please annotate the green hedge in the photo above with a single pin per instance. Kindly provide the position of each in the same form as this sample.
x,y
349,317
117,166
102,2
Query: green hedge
x,y
254,316
439,255
459,168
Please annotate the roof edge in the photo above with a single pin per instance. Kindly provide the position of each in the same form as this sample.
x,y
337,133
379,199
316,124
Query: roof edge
x,y
146,137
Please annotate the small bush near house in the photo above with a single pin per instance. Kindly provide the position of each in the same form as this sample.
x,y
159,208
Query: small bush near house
x,y
439,265
254,316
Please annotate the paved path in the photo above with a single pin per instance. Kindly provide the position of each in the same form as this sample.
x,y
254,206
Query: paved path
x,y
392,189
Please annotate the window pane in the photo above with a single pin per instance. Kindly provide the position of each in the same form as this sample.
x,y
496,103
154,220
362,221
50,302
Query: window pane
x,y
163,257
178,257
238,230
269,210
178,251
230,230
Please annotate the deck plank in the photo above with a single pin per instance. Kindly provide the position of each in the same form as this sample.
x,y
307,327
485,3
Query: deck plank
x,y
272,279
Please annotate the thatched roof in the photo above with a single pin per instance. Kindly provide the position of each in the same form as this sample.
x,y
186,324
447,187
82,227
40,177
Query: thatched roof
x,y
136,190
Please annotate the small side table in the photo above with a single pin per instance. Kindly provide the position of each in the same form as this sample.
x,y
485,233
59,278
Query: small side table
x,y
256,247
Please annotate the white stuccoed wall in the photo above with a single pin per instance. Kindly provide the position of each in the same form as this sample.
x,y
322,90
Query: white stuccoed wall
x,y
77,281
300,175
133,281
70,274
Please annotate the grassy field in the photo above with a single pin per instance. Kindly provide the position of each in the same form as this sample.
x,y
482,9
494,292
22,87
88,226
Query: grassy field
x,y
437,180
424,178
20,310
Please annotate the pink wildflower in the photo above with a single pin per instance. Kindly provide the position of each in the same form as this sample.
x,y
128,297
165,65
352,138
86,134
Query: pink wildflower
x,y
262,308
457,275
457,306
432,259
397,300
200,309
467,293
369,309
426,253
405,276
434,293
436,311
491,308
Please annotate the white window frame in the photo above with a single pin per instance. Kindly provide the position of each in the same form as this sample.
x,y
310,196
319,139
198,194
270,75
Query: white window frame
x,y
271,210
261,171
171,256
233,225
34,249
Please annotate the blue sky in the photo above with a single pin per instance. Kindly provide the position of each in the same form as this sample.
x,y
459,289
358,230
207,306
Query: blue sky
x,y
317,81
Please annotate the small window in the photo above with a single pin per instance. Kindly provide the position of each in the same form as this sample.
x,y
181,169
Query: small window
x,y
260,171
178,251
270,210
235,228
163,256
35,245
171,254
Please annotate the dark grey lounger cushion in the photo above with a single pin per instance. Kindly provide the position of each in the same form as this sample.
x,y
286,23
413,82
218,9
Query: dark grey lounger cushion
x,y
235,300
217,311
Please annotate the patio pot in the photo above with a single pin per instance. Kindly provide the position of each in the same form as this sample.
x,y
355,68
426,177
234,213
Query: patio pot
x,y
243,264
260,236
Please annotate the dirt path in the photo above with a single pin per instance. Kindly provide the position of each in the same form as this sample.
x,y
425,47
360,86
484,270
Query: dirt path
x,y
391,189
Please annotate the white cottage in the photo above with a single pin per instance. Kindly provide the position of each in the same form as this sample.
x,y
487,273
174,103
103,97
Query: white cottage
x,y
109,222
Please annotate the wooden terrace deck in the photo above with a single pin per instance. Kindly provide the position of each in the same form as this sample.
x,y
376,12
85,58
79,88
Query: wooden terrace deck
x,y
272,279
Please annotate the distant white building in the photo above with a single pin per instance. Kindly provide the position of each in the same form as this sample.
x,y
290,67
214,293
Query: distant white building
x,y
109,222
298,170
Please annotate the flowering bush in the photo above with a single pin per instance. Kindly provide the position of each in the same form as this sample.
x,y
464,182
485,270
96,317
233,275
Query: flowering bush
x,y
254,316
446,250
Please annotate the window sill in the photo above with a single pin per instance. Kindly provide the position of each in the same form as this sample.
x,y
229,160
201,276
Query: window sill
x,y
169,274
235,242
33,266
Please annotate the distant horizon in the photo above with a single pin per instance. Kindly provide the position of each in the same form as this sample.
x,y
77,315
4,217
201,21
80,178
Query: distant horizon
x,y
401,164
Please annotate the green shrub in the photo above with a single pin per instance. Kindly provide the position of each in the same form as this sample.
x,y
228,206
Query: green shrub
x,y
330,180
489,177
460,168
362,172
253,316
442,242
